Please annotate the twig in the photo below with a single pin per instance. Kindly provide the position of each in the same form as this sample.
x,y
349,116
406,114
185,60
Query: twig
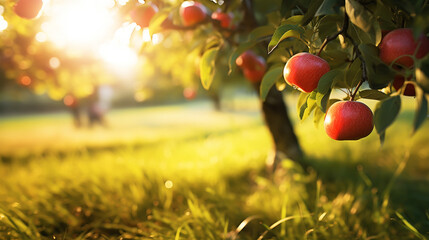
x,y
249,16
342,31
363,66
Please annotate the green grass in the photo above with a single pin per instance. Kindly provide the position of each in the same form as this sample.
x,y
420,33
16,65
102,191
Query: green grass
x,y
187,172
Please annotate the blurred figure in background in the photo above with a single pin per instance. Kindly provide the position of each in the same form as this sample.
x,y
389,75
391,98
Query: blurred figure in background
x,y
98,105
73,104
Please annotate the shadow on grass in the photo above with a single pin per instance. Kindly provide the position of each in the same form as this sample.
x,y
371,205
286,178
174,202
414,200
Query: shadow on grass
x,y
406,194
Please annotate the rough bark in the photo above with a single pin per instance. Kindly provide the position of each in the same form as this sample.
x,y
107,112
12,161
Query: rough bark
x,y
275,113
276,117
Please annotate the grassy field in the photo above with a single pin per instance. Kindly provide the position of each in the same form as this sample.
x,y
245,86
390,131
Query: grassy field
x,y
187,172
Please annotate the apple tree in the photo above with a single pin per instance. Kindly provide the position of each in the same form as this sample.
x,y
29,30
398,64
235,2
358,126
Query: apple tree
x,y
334,52
364,49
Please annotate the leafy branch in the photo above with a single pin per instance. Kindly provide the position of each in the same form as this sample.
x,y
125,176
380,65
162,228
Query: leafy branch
x,y
343,32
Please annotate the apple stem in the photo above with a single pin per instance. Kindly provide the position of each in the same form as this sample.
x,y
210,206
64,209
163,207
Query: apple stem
x,y
361,58
352,98
343,31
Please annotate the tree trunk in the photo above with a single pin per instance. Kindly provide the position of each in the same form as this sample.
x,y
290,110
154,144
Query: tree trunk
x,y
275,113
286,143
214,96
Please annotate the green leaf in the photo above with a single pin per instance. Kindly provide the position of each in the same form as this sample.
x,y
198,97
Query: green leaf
x,y
386,112
312,9
268,81
364,19
260,33
382,136
323,90
157,20
310,106
322,100
422,74
379,74
294,20
283,32
421,22
325,82
328,25
318,116
207,66
353,74
287,6
335,57
327,7
302,110
406,5
421,109
358,15
281,84
302,103
373,94
332,101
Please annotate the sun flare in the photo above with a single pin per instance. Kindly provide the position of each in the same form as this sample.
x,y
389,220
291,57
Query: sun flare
x,y
79,24
90,28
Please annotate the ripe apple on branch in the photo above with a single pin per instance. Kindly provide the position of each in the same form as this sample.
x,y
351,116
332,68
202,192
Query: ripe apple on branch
x,y
28,9
352,46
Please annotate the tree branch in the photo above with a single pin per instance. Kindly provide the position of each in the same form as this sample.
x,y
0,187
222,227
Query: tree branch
x,y
342,31
363,66
249,16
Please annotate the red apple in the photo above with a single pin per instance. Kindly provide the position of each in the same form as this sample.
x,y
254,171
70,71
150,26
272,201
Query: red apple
x,y
253,66
401,42
304,70
225,19
192,13
254,75
142,14
248,59
28,9
189,93
409,88
70,101
348,120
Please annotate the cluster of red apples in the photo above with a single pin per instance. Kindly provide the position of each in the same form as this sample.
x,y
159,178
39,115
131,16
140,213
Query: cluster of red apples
x,y
351,120
344,120
191,13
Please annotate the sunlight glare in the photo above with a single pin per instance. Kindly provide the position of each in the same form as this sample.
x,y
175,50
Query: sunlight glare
x,y
117,54
79,24
41,37
146,35
3,24
168,184
157,38
122,2
54,62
